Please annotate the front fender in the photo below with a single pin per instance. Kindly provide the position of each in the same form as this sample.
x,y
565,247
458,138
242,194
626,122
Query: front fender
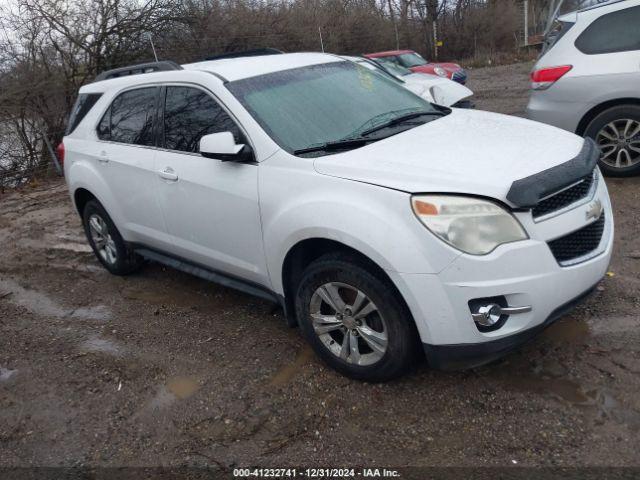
x,y
376,221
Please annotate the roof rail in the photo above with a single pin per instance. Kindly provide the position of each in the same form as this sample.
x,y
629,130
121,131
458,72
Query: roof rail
x,y
255,52
163,66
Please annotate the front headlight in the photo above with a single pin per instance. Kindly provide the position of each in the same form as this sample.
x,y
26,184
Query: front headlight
x,y
440,71
469,224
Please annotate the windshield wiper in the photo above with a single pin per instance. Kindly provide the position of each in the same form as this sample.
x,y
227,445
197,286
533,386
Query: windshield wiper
x,y
344,144
399,120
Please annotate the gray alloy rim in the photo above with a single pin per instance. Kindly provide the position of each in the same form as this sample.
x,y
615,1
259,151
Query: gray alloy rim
x,y
620,143
105,246
348,323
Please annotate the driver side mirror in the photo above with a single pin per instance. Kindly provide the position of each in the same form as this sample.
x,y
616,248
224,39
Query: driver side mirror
x,y
222,146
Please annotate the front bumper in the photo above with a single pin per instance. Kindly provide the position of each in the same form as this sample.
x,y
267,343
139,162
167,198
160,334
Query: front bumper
x,y
463,356
524,273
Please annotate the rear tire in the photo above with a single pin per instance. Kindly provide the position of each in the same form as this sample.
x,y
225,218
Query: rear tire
x,y
107,243
617,132
355,320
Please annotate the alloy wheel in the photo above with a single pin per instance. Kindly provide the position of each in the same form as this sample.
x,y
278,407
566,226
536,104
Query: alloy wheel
x,y
348,323
102,240
620,143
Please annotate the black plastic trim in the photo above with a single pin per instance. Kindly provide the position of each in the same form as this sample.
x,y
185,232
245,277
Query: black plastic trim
x,y
469,355
208,274
527,192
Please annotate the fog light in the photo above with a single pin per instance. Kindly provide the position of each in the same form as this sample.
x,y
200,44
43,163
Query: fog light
x,y
491,313
487,315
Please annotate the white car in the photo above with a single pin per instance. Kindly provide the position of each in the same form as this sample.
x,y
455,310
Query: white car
x,y
432,88
384,225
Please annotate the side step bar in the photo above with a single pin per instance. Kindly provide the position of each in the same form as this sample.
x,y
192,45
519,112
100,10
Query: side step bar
x,y
207,274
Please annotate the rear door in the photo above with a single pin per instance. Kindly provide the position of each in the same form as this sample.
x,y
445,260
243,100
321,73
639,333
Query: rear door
x,y
125,157
210,206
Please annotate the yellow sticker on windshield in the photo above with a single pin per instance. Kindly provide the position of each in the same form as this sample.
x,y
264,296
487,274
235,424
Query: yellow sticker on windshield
x,y
365,77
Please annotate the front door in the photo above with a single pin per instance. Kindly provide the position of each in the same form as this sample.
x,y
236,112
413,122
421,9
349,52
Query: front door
x,y
210,206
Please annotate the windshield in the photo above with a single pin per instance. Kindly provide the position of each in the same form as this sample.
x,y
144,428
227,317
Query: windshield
x,y
393,67
379,69
307,106
410,60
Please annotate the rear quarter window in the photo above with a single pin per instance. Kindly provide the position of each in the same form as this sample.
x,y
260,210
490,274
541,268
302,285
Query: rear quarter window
x,y
83,105
614,32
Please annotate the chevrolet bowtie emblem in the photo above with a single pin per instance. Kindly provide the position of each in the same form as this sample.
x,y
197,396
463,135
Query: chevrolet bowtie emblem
x,y
595,210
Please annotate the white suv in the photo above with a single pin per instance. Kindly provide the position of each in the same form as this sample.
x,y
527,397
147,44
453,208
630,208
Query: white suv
x,y
384,225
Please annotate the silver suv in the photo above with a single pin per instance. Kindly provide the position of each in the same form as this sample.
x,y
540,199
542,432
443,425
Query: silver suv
x,y
587,81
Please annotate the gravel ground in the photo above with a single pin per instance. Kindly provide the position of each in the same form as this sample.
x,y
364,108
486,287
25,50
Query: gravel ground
x,y
161,368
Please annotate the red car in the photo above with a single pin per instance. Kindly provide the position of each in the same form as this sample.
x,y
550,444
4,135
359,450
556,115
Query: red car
x,y
414,61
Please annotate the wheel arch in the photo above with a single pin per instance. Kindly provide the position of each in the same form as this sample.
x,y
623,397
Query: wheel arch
x,y
81,196
601,107
304,252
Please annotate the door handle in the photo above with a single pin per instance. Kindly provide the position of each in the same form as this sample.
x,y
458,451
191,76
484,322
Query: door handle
x,y
103,158
168,174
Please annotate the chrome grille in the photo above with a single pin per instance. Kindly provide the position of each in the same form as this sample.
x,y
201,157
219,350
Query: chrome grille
x,y
564,198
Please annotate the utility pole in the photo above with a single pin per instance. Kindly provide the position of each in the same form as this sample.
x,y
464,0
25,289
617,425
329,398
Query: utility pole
x,y
526,23
152,46
321,42
435,41
395,26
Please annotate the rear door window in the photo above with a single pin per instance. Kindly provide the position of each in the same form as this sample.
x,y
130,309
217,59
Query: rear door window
x,y
189,114
615,32
130,118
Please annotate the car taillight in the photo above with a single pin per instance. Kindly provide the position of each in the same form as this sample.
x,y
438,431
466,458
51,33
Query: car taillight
x,y
545,77
60,153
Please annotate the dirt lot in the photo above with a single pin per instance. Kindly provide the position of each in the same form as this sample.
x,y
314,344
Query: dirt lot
x,y
162,368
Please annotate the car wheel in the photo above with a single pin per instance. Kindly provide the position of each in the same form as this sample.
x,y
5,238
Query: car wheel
x,y
106,242
617,133
354,319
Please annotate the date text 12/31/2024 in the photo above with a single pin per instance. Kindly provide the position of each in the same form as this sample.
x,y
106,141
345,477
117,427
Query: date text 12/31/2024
x,y
315,473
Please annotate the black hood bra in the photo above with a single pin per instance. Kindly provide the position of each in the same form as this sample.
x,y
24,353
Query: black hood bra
x,y
528,191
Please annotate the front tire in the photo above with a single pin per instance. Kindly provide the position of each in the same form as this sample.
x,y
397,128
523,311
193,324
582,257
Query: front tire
x,y
617,133
355,320
107,243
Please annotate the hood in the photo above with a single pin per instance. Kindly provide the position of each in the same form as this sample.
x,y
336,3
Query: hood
x,y
468,151
428,67
440,90
451,67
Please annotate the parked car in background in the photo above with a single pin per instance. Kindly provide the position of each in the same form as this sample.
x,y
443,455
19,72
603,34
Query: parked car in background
x,y
587,81
432,88
416,63
383,224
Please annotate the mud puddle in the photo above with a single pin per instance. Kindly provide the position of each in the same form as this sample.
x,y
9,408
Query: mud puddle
x,y
573,330
550,378
101,345
41,304
285,374
6,374
176,388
